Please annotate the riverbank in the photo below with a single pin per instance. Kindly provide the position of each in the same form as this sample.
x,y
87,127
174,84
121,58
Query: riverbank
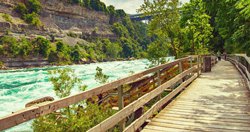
x,y
17,63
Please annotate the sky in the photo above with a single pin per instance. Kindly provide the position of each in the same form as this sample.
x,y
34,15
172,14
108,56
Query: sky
x,y
129,6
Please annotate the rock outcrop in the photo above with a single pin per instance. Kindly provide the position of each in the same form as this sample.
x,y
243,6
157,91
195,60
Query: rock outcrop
x,y
59,17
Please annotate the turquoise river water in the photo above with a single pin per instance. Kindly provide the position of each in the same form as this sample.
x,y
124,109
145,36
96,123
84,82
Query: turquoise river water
x,y
17,87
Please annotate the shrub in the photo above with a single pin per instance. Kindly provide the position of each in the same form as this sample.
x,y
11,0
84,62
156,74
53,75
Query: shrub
x,y
100,77
21,8
76,54
42,46
25,47
33,19
7,18
34,6
9,46
1,65
30,12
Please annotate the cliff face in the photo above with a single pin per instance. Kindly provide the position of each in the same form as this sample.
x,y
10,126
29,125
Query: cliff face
x,y
59,18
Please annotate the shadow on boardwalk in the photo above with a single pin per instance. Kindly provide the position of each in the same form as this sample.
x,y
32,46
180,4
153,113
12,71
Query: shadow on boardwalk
x,y
216,101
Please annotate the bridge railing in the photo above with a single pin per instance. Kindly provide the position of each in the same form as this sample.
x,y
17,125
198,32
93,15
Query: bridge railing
x,y
242,63
128,94
177,83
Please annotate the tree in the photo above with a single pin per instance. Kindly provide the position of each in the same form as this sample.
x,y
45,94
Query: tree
x,y
63,81
76,54
165,22
156,53
195,23
113,50
231,21
128,48
120,30
100,77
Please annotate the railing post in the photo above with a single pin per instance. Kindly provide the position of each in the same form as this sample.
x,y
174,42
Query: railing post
x,y
159,82
158,78
191,63
180,69
121,106
198,65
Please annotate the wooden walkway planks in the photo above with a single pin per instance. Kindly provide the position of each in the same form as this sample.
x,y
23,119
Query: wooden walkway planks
x,y
216,101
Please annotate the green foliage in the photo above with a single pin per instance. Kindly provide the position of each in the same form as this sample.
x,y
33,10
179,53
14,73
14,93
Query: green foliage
x,y
25,47
7,18
76,54
230,20
21,8
165,23
100,77
196,27
42,46
61,55
33,19
29,12
76,1
63,81
113,49
78,117
128,47
9,46
120,30
1,65
34,6
156,53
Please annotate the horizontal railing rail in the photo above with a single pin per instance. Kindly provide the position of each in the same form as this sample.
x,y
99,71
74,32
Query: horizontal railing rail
x,y
242,63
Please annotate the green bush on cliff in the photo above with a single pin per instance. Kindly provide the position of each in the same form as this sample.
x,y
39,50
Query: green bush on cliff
x,y
9,46
41,46
25,47
7,18
76,54
30,11
21,9
61,55
33,19
34,6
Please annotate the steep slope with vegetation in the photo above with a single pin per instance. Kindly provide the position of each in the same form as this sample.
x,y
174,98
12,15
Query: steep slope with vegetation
x,y
69,31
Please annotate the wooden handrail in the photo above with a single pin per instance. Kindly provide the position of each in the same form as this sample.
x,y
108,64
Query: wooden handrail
x,y
49,107
243,67
122,114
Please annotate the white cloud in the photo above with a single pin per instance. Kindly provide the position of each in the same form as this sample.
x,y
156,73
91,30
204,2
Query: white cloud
x,y
130,6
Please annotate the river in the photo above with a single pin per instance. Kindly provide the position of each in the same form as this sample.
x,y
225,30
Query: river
x,y
17,87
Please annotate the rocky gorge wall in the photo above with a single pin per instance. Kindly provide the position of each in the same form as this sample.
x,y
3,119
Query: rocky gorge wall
x,y
59,17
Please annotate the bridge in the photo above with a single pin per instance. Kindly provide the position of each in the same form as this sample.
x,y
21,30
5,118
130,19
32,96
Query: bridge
x,y
140,17
183,95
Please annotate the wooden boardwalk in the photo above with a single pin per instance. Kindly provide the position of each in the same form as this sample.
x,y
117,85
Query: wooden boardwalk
x,y
216,101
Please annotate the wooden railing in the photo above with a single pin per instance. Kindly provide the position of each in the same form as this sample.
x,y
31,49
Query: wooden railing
x,y
129,95
242,63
